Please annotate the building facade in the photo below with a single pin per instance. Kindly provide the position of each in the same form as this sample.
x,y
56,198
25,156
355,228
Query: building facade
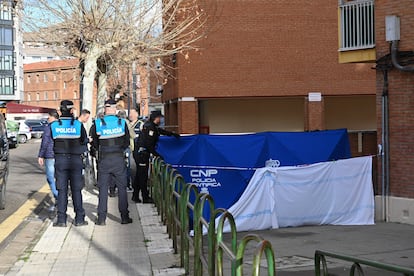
x,y
48,83
395,106
137,87
38,51
270,66
392,55
11,68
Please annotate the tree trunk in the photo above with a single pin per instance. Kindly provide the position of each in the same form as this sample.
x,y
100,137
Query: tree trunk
x,y
89,73
101,92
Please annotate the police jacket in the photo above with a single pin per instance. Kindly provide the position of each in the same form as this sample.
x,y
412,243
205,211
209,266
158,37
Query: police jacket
x,y
110,134
69,136
148,139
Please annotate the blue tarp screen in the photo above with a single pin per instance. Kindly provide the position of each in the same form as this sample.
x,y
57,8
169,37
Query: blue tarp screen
x,y
222,165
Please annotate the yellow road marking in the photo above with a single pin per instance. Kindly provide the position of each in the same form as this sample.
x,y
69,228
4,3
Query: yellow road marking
x,y
14,220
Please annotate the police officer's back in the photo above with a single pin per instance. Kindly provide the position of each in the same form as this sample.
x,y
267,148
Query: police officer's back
x,y
110,139
69,138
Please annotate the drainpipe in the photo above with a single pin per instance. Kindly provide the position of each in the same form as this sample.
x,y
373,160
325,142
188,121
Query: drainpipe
x,y
394,58
385,176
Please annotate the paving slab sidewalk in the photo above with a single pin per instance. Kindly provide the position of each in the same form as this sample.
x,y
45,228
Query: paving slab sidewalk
x,y
114,249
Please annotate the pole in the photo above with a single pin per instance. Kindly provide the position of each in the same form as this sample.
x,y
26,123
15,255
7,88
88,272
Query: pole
x,y
134,86
128,92
385,147
81,93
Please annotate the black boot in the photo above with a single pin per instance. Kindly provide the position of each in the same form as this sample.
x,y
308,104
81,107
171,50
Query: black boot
x,y
148,200
126,219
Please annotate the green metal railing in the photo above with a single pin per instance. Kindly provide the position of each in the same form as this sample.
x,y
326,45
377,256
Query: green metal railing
x,y
172,197
320,257
236,253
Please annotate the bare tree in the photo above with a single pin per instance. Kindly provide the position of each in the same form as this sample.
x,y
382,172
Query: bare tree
x,y
106,34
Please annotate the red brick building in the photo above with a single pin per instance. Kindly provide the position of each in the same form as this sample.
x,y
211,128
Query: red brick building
x,y
47,83
270,66
398,162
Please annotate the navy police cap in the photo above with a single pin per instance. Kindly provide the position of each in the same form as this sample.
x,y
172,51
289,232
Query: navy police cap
x,y
110,102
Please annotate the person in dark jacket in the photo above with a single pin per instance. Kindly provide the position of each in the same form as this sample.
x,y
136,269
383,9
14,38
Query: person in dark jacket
x,y
46,156
146,145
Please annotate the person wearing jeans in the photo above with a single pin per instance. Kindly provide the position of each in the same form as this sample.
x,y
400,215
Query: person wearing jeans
x,y
46,155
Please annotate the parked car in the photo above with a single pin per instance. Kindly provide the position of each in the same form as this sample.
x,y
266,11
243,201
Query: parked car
x,y
37,127
4,161
12,137
23,130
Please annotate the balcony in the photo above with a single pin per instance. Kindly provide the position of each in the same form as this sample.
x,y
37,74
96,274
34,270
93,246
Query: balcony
x,y
356,29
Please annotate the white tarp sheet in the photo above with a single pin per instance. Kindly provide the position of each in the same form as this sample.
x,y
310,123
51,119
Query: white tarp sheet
x,y
338,192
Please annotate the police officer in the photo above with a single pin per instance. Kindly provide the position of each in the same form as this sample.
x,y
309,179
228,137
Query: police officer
x,y
69,138
146,145
110,139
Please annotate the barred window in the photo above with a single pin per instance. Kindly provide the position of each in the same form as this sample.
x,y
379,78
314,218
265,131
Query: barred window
x,y
357,25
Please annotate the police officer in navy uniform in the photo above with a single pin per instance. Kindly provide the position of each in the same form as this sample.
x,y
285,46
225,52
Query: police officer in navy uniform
x,y
110,139
146,145
69,138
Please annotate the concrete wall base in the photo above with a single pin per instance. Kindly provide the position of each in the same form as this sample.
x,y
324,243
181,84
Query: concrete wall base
x,y
399,209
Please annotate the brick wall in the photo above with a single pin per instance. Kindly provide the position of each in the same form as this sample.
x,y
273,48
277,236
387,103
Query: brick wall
x,y
188,124
315,116
47,83
401,97
269,48
57,80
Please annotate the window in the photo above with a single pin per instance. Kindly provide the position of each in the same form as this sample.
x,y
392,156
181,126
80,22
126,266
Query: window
x,y
37,96
29,97
75,95
158,65
6,36
64,85
54,77
5,11
56,95
138,82
6,60
160,89
46,97
6,85
45,77
357,25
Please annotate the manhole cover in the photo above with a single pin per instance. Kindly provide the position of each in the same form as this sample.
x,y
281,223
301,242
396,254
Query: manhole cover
x,y
293,261
288,262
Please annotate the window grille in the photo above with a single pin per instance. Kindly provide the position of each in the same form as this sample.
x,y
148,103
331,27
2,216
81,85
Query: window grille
x,y
357,29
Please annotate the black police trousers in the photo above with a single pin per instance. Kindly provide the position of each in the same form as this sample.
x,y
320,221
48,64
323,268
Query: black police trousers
x,y
111,167
68,169
141,177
